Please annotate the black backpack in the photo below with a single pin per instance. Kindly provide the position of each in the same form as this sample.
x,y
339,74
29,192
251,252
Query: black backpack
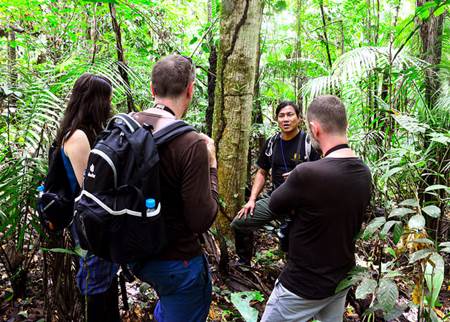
x,y
56,199
112,217
303,148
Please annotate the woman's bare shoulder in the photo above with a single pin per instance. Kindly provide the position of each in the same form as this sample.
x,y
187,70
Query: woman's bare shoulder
x,y
77,140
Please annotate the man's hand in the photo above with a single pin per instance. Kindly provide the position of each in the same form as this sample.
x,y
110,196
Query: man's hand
x,y
247,209
211,150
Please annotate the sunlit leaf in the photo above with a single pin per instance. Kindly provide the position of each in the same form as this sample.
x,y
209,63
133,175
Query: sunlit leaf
x,y
409,202
437,187
400,212
432,211
416,222
420,254
376,223
434,276
241,301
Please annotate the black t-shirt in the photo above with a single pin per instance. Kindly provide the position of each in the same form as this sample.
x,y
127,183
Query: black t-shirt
x,y
282,156
327,216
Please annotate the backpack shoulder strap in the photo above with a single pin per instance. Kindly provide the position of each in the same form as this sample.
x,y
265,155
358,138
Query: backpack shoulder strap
x,y
271,144
307,147
171,131
126,119
300,148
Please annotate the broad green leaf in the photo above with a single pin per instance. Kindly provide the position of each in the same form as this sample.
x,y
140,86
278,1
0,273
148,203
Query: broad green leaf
x,y
437,187
354,276
366,287
387,226
376,223
280,5
432,211
398,231
387,294
241,301
439,11
390,173
420,254
416,222
409,202
400,212
434,276
423,241
391,251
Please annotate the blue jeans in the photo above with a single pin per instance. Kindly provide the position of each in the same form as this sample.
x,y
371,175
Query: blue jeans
x,y
184,288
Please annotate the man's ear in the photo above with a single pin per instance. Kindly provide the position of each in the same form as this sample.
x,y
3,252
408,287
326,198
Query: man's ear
x,y
314,128
190,90
152,89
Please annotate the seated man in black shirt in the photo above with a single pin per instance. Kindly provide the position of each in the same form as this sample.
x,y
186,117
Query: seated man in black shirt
x,y
326,217
281,153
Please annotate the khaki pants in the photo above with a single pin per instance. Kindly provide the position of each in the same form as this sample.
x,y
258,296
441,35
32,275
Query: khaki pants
x,y
284,306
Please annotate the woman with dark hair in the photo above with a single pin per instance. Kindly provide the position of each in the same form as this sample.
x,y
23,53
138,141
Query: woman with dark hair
x,y
88,109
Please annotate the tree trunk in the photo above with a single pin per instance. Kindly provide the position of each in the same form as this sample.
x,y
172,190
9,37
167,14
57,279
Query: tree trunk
x,y
325,36
120,56
211,76
236,70
431,39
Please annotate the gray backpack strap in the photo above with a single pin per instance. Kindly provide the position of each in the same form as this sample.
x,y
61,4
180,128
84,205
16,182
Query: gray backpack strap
x,y
126,119
271,144
307,147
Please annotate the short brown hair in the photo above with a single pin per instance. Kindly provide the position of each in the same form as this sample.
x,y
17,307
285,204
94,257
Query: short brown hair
x,y
329,111
171,75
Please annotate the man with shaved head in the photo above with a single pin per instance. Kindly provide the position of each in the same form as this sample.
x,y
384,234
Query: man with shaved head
x,y
326,218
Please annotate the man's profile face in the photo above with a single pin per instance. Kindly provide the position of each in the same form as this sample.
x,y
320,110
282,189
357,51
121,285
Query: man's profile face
x,y
287,119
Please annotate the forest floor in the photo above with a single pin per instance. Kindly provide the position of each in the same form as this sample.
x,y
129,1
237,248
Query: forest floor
x,y
266,267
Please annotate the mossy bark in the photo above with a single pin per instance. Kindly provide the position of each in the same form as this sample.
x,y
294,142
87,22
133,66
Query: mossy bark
x,y
239,30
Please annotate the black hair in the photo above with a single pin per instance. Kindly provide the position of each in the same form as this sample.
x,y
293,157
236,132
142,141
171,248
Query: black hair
x,y
283,104
88,109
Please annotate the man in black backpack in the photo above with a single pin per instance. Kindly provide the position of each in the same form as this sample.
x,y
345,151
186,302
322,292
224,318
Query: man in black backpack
x,y
188,187
280,155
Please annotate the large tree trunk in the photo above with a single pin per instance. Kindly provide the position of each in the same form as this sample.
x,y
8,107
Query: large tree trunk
x,y
431,39
211,75
120,56
240,22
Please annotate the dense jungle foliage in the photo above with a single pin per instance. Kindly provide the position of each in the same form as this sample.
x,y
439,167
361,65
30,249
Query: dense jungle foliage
x,y
389,61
